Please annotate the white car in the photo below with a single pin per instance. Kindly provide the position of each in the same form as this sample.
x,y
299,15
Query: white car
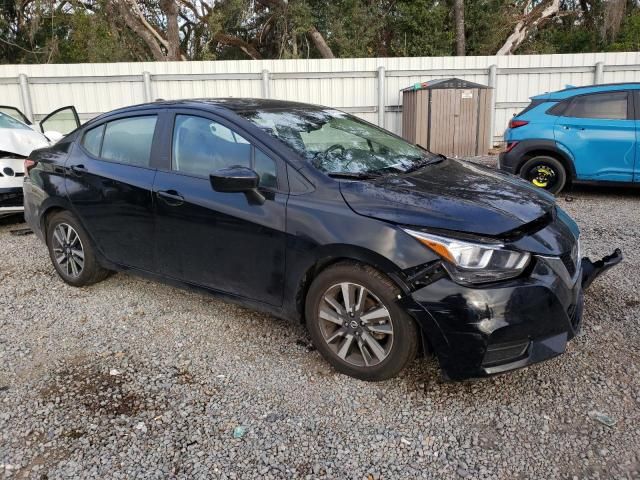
x,y
18,138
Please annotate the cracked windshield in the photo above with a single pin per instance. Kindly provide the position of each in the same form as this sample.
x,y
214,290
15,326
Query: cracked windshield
x,y
340,144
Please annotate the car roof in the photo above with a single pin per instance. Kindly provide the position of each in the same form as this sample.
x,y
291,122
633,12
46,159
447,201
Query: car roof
x,y
573,91
215,104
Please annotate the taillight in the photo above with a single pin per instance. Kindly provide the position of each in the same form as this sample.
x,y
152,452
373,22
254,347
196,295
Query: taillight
x,y
28,165
513,123
510,146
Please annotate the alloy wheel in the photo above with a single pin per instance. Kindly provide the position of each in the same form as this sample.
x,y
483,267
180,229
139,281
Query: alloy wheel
x,y
68,250
543,176
355,324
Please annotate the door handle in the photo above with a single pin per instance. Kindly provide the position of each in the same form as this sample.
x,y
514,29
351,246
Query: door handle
x,y
171,197
78,169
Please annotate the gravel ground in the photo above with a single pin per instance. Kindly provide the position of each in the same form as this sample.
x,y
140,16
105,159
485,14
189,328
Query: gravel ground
x,y
130,378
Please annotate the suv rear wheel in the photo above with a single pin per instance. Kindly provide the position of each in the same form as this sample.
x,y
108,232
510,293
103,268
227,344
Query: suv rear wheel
x,y
545,172
72,252
355,322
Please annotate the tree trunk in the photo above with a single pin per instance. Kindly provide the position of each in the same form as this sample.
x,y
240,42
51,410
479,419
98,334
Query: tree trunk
x,y
131,19
320,43
458,10
170,9
530,21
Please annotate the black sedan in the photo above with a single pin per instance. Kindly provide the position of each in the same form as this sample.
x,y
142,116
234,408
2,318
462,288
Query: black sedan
x,y
385,250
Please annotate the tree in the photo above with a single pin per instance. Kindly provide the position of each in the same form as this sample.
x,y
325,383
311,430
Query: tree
x,y
533,17
458,8
68,31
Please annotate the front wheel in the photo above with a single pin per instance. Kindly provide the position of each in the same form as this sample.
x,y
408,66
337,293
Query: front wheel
x,y
545,172
355,322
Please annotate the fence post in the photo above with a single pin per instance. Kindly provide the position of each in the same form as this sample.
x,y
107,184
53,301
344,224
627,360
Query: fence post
x,y
381,96
25,96
492,112
266,81
148,95
598,74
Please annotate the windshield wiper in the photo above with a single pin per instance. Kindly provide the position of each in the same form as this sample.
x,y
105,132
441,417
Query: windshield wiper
x,y
354,175
423,163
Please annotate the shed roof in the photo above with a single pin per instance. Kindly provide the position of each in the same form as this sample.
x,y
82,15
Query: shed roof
x,y
444,83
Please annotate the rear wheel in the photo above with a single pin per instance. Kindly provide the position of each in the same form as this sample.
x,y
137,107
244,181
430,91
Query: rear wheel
x,y
356,324
71,251
545,172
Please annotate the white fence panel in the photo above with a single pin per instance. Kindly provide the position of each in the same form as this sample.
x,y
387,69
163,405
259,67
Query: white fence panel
x,y
352,84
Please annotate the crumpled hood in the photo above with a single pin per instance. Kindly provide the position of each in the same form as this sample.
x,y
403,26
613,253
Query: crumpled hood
x,y
21,142
450,195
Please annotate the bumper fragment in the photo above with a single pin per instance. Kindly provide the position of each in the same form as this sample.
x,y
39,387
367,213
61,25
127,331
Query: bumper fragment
x,y
592,270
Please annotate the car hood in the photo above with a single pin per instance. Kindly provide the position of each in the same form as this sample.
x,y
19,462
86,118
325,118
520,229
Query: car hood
x,y
451,195
21,142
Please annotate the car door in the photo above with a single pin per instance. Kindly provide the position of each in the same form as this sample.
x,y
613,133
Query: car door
x,y
223,241
599,131
15,113
109,179
63,121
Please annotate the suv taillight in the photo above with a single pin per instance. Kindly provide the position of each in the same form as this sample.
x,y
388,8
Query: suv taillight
x,y
514,123
28,165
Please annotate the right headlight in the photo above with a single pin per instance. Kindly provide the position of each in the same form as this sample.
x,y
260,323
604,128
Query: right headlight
x,y
471,262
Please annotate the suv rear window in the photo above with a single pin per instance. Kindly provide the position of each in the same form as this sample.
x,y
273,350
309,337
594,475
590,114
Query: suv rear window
x,y
532,105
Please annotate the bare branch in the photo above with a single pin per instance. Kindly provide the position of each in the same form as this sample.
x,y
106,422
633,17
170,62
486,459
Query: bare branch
x,y
531,20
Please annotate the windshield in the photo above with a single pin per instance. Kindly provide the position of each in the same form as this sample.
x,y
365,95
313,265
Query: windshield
x,y
9,122
338,143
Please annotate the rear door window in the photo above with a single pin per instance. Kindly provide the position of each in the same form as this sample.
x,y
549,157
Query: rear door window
x,y
92,140
608,105
128,140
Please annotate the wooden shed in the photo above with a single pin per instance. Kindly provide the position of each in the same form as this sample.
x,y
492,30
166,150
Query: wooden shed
x,y
449,116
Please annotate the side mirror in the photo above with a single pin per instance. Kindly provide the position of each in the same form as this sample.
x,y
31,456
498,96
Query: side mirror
x,y
238,180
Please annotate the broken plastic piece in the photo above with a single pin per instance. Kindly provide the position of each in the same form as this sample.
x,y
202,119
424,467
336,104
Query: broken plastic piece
x,y
603,418
592,270
239,431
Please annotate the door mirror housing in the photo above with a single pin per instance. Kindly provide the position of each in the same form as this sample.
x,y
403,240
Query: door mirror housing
x,y
238,180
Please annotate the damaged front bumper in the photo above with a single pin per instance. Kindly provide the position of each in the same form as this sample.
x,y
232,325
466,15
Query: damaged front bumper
x,y
592,270
485,330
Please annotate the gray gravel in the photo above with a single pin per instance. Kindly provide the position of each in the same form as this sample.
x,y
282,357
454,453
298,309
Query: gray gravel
x,y
133,379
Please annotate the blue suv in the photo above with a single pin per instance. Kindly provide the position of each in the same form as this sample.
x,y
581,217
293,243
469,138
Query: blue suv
x,y
580,134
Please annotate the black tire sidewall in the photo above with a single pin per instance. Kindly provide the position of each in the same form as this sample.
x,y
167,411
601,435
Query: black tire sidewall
x,y
552,162
405,331
91,268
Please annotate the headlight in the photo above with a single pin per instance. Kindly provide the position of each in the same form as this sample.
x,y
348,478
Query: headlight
x,y
470,262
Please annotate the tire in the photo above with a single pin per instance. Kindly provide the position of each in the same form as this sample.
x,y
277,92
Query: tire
x,y
545,172
66,238
345,341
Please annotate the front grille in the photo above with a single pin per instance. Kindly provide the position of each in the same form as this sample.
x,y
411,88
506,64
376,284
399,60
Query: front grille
x,y
569,263
13,199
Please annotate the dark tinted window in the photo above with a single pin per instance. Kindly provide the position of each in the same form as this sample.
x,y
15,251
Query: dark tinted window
x,y
266,168
599,105
129,140
202,146
558,108
92,140
531,106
